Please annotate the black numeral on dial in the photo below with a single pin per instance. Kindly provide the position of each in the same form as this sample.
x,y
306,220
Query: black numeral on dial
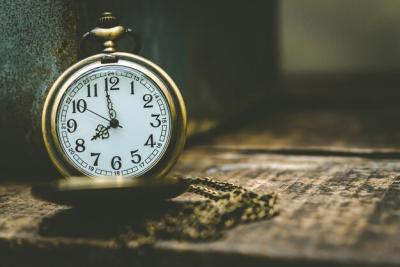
x,y
157,122
80,145
116,163
150,141
71,125
132,88
147,98
79,106
96,160
113,81
91,92
136,158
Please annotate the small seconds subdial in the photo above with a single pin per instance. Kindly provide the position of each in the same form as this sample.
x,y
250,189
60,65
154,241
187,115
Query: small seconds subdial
x,y
114,120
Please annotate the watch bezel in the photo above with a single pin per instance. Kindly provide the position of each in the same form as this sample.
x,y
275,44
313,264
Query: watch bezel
x,y
148,68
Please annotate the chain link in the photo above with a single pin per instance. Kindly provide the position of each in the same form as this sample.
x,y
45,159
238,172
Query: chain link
x,y
226,206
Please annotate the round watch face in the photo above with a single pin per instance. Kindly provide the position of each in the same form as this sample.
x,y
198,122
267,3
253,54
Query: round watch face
x,y
113,120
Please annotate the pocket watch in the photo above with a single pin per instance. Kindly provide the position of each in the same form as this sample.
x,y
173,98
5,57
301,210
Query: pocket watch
x,y
114,115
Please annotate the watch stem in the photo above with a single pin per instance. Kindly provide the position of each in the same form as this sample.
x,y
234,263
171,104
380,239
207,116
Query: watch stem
x,y
108,20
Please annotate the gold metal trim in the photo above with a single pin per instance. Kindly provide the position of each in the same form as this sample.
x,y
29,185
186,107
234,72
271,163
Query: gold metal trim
x,y
104,192
150,69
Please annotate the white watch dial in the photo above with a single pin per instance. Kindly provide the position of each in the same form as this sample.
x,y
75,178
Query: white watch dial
x,y
113,120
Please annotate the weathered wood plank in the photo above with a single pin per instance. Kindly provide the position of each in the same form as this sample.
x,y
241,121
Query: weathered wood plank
x,y
362,131
331,207
336,210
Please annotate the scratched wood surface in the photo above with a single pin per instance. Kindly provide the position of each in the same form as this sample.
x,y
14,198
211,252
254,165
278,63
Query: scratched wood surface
x,y
335,210
307,132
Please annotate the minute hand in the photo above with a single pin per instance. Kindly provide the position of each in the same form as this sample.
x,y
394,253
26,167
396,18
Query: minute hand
x,y
97,114
112,113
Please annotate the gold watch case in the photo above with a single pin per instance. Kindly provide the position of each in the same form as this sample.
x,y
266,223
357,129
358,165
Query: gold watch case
x,y
152,71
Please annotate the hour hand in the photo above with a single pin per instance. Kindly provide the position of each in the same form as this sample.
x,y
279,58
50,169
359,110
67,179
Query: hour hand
x,y
101,132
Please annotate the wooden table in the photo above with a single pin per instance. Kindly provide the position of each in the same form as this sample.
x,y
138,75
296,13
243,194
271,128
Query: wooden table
x,y
338,179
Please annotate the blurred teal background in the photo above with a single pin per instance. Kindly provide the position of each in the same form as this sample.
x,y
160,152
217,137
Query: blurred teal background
x,y
339,36
339,54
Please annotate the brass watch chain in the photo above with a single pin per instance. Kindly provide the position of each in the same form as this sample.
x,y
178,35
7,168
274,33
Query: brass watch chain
x,y
226,206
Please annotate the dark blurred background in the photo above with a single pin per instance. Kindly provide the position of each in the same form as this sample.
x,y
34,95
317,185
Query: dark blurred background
x,y
340,53
288,64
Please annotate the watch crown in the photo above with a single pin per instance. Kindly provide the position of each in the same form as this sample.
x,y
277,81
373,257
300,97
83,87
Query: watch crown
x,y
109,31
108,20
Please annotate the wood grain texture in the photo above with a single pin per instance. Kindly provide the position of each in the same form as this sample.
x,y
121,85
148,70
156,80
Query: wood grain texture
x,y
336,208
335,211
344,132
338,180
